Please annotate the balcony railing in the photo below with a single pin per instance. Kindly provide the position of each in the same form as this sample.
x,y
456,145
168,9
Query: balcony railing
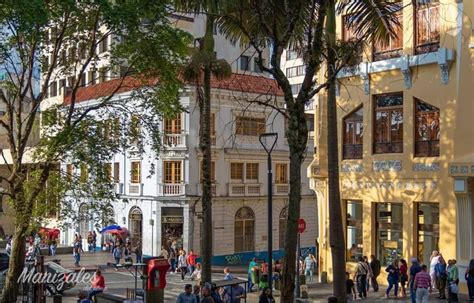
x,y
281,189
214,188
174,140
135,189
427,148
352,151
172,189
387,54
242,189
389,147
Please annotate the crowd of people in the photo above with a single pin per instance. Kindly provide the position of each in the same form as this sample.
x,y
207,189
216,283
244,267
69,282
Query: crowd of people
x,y
420,279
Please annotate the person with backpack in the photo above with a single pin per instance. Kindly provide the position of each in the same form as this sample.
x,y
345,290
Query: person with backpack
x,y
453,281
393,278
361,272
441,277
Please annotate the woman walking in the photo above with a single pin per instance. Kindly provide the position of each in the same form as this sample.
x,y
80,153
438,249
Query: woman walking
x,y
441,278
182,264
469,275
393,278
403,276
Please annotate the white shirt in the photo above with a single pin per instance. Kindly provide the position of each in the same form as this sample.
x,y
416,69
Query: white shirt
x,y
433,263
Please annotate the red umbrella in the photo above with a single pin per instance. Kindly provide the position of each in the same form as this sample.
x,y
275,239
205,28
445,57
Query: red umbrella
x,y
122,232
52,233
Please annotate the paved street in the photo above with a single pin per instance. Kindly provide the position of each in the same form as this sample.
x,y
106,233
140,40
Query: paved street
x,y
117,282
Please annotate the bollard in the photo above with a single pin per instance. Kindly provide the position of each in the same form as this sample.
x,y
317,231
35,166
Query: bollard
x,y
332,299
57,299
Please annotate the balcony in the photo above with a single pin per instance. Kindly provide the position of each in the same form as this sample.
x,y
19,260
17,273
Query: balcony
x,y
351,151
281,189
174,140
242,189
387,54
171,189
214,188
135,189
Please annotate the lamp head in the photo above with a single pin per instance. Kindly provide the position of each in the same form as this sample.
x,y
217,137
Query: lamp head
x,y
268,141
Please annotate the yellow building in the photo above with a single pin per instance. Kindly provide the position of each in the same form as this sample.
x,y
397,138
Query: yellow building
x,y
406,141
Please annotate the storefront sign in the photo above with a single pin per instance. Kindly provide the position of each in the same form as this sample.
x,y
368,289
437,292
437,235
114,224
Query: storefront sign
x,y
387,165
426,167
172,219
400,185
348,168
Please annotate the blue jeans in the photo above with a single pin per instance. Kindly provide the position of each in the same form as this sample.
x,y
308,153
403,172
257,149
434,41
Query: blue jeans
x,y
309,272
173,264
412,293
93,292
361,286
249,284
391,283
139,258
77,258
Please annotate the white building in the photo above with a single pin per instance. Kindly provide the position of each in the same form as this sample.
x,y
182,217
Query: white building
x,y
166,204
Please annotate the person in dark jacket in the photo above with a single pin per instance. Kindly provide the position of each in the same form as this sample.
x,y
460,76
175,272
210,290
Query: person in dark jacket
x,y
375,266
393,278
266,296
441,277
414,269
469,275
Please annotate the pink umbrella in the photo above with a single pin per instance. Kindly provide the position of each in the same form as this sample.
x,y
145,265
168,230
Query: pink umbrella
x,y
122,232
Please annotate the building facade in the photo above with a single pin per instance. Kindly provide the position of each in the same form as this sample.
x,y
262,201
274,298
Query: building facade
x,y
406,157
159,197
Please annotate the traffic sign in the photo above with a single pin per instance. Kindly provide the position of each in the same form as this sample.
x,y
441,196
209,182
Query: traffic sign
x,y
301,225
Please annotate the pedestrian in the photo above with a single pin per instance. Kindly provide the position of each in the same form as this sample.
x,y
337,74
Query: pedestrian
x,y
164,252
197,273
350,288
434,259
197,292
52,247
89,241
441,277
453,281
182,264
238,293
127,253
369,273
375,267
206,295
94,240
422,285
227,277
172,257
138,252
118,255
187,296
76,251
191,261
252,267
403,277
393,278
266,296
309,262
97,285
414,269
360,275
469,276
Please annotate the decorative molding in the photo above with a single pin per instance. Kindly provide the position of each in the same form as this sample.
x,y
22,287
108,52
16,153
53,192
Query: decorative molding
x,y
387,165
426,166
400,185
443,57
348,168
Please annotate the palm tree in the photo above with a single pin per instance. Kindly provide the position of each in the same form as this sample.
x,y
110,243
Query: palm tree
x,y
202,66
309,27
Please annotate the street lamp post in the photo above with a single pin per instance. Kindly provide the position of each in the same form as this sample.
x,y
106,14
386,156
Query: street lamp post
x,y
268,141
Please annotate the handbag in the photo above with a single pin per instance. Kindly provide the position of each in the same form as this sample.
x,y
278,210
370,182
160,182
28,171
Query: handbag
x,y
454,288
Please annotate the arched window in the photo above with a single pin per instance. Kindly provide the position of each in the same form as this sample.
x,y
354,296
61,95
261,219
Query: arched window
x,y
84,220
135,218
244,230
282,226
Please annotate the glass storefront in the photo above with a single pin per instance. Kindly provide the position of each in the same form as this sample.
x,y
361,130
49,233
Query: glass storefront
x,y
428,230
354,244
389,233
172,226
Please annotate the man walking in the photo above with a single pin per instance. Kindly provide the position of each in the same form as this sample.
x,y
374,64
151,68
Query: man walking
x,y
376,267
414,269
361,272
422,285
187,296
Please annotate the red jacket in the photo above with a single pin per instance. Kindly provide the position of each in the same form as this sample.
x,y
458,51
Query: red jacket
x,y
192,259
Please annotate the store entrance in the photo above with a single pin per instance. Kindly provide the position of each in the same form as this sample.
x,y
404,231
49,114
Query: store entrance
x,y
172,226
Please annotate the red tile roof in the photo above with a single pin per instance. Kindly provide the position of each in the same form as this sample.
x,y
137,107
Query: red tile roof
x,y
236,82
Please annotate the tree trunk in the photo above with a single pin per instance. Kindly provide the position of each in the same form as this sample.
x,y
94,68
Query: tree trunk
x,y
205,146
297,140
17,256
336,232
